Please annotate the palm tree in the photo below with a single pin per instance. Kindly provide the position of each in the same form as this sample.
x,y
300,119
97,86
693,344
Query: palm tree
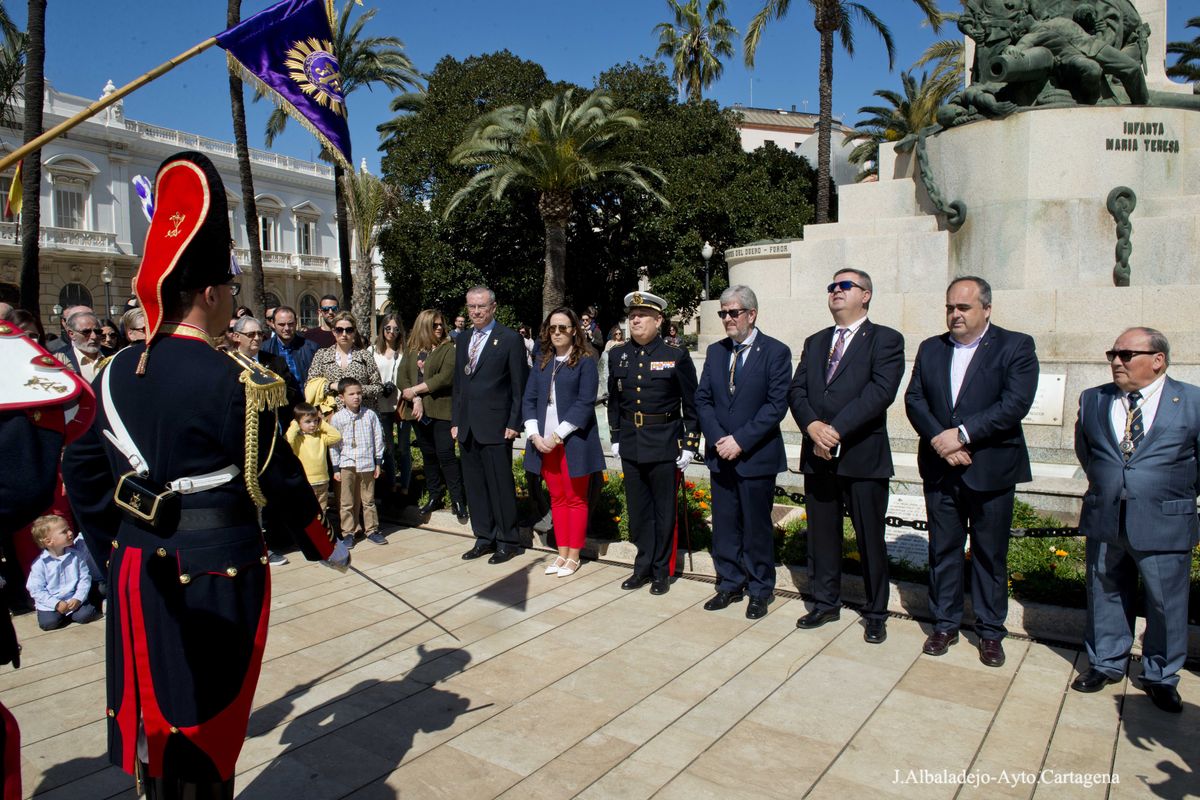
x,y
905,115
12,66
830,17
1187,66
258,289
949,60
553,149
31,170
363,61
367,201
695,44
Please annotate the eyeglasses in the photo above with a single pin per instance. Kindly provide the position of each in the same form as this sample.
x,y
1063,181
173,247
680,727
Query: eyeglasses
x,y
390,328
234,289
344,330
88,332
845,286
108,334
731,312
482,307
252,334
329,309
439,326
1127,355
560,328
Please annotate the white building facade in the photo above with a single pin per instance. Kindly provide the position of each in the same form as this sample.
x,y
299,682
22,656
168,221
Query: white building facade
x,y
795,132
92,224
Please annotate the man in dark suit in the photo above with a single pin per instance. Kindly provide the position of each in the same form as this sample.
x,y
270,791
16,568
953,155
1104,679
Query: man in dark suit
x,y
1138,440
490,372
969,391
740,400
848,376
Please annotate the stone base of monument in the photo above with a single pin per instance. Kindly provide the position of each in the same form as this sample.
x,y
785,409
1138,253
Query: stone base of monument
x,y
1036,187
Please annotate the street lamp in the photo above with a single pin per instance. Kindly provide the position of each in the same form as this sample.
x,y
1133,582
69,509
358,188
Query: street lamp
x,y
706,253
106,275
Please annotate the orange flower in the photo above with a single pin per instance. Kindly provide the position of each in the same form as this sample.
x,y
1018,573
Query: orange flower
x,y
704,505
698,494
605,474
690,484
1061,553
616,519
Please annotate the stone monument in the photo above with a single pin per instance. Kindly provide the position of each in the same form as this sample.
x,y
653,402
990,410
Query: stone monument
x,y
1062,174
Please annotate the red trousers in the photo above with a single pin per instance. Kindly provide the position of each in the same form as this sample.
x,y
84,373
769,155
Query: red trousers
x,y
568,499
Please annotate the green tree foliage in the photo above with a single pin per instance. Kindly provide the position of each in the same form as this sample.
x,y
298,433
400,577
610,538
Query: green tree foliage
x,y
695,43
905,114
1187,65
716,191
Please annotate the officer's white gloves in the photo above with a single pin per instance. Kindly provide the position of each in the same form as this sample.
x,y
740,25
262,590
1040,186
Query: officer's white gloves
x,y
616,450
684,459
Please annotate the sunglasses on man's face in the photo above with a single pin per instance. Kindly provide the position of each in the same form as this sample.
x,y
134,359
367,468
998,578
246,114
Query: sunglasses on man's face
x,y
844,286
88,332
252,334
1127,355
343,330
329,309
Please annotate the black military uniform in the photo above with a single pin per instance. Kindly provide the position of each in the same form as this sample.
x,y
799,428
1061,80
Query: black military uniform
x,y
652,415
189,586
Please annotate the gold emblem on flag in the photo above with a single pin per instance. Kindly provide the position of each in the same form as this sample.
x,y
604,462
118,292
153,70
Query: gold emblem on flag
x,y
313,67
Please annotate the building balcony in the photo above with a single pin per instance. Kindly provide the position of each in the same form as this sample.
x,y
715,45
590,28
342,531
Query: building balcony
x,y
52,238
190,141
279,263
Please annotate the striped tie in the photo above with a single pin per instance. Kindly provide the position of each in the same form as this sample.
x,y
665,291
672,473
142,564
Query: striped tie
x,y
835,355
473,353
738,349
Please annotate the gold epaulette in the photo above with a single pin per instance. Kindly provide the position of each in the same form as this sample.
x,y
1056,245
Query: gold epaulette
x,y
265,391
102,363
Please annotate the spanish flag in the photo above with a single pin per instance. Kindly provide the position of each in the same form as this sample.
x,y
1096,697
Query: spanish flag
x,y
12,204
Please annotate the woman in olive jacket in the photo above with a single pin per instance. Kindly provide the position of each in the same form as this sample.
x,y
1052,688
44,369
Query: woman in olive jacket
x,y
426,381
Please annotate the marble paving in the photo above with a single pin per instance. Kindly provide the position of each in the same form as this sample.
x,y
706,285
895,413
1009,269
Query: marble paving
x,y
570,687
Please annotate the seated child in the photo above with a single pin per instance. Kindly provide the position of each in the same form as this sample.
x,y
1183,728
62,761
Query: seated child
x,y
59,580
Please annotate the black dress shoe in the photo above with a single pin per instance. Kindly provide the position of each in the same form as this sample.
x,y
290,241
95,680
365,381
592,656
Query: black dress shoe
x,y
757,609
1165,697
722,600
1092,681
502,554
991,653
815,619
460,511
480,549
939,642
876,630
429,507
660,586
635,582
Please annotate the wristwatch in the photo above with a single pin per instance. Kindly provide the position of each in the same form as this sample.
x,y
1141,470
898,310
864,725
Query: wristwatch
x,y
962,437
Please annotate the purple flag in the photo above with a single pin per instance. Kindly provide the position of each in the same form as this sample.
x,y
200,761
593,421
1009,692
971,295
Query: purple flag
x,y
288,49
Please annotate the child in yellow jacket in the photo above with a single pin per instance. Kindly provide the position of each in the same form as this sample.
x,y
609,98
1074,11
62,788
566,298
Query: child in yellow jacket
x,y
310,437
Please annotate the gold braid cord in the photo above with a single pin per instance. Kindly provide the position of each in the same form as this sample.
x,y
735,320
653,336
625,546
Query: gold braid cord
x,y
265,391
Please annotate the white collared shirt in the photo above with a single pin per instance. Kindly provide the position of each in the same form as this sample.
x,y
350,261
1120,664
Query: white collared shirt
x,y
961,360
851,331
1119,413
734,344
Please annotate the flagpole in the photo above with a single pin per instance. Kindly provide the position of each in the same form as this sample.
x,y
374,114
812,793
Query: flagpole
x,y
103,103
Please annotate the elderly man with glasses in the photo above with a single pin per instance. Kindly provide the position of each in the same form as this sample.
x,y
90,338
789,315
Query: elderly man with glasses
x,y
83,355
1138,441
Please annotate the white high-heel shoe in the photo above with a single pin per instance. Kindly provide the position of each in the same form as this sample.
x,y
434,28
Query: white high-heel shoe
x,y
567,569
554,568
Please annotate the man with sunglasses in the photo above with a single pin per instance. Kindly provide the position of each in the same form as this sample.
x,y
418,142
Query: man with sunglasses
x,y
1138,441
322,335
969,391
83,353
740,400
296,349
847,379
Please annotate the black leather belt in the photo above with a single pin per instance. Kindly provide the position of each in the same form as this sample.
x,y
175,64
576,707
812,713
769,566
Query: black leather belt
x,y
641,420
199,519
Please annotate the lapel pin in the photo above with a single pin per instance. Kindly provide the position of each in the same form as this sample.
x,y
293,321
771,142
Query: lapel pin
x,y
1174,399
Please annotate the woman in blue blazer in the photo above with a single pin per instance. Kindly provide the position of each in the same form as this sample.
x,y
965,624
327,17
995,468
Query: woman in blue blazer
x,y
562,443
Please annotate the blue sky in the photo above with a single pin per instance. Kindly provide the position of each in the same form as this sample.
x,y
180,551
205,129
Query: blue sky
x,y
89,43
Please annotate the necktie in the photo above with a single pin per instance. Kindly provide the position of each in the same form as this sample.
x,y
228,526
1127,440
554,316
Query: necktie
x,y
738,349
835,355
1135,431
291,363
473,353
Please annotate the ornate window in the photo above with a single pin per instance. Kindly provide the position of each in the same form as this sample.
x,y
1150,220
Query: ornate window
x,y
308,311
272,299
269,209
307,238
71,180
74,294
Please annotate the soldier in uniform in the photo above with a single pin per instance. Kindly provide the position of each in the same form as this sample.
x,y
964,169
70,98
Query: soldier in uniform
x,y
655,433
42,405
183,449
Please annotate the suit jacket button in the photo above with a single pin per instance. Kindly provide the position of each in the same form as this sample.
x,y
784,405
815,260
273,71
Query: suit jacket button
x,y
185,579
160,552
231,572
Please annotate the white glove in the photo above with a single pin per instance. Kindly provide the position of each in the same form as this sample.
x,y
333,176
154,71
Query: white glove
x,y
339,559
616,450
684,459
